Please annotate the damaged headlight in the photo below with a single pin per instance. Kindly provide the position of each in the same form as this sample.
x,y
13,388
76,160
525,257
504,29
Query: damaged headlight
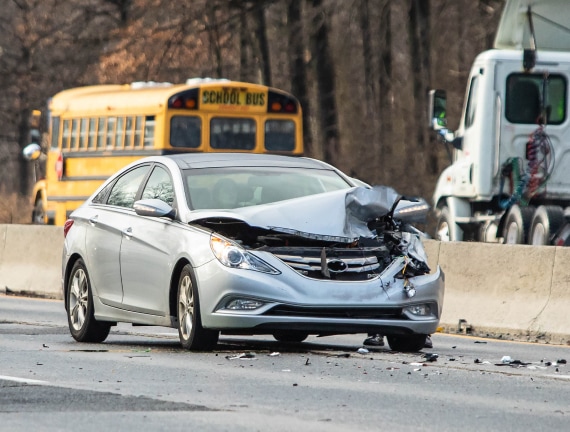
x,y
232,255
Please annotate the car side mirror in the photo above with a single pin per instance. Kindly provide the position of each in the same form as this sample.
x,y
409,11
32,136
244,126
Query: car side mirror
x,y
154,208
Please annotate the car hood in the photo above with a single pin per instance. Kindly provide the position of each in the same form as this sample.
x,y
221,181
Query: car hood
x,y
341,216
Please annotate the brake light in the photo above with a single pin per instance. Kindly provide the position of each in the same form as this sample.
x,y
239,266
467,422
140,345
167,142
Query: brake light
x,y
184,100
281,103
67,226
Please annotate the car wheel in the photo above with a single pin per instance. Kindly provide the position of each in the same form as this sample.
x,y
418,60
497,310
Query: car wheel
x,y
443,231
38,214
409,343
290,336
517,225
192,335
80,310
546,221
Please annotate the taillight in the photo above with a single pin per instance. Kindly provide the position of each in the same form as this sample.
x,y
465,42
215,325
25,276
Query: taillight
x,y
67,226
281,103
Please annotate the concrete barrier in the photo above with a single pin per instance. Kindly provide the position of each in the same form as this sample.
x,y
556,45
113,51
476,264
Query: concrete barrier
x,y
30,260
512,291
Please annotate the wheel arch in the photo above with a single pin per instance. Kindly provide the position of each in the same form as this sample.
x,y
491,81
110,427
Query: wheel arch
x,y
68,267
173,291
458,207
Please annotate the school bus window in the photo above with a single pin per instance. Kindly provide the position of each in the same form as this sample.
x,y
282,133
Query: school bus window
x,y
74,133
149,131
83,134
128,132
232,133
138,131
101,132
91,133
54,132
280,135
185,132
66,134
111,123
119,133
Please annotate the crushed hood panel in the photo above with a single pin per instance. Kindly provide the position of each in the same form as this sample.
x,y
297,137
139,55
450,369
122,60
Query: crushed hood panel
x,y
340,216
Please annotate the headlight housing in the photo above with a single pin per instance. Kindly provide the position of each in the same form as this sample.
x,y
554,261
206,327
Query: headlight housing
x,y
233,255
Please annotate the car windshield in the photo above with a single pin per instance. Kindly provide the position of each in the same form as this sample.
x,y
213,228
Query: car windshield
x,y
233,187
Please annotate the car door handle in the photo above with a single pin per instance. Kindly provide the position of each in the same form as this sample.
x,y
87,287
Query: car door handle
x,y
128,232
93,220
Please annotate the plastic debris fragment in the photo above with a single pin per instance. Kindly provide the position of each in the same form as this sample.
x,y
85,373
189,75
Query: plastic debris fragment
x,y
431,357
243,356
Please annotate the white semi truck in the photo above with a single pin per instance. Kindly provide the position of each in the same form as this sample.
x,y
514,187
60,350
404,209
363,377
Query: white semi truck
x,y
509,180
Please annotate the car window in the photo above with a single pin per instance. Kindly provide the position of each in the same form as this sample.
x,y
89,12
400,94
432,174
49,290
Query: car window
x,y
159,186
126,187
233,187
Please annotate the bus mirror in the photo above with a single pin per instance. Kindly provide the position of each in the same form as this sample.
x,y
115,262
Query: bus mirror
x,y
437,110
32,152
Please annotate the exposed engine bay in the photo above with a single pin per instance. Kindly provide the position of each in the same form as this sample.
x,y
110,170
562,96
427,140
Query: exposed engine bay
x,y
366,230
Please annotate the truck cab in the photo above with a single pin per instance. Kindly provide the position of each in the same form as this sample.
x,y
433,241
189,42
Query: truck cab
x,y
509,175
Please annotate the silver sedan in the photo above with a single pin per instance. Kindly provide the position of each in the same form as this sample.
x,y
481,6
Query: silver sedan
x,y
248,244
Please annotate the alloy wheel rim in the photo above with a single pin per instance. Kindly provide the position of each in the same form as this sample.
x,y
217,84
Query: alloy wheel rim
x,y
186,307
538,235
78,299
512,233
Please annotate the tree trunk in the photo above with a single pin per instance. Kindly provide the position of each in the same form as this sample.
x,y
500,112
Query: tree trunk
x,y
263,43
328,114
298,69
385,89
369,82
419,53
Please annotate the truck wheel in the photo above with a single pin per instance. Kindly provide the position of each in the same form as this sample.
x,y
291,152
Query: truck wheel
x,y
517,225
443,231
546,221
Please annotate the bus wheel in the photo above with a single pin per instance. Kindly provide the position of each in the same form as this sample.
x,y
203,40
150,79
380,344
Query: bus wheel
x,y
38,214
517,224
546,221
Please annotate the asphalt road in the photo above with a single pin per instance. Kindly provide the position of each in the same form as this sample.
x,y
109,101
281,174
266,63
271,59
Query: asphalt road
x,y
140,379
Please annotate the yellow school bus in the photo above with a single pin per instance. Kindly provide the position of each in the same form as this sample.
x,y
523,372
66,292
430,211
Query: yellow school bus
x,y
95,130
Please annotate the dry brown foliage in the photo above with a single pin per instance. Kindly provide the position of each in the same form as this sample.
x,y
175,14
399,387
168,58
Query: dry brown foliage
x,y
14,208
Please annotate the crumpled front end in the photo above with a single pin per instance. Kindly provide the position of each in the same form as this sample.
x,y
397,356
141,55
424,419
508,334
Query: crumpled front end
x,y
370,274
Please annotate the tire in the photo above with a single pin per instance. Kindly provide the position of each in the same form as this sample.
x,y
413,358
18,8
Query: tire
x,y
546,222
290,336
38,214
410,343
443,230
517,225
80,310
190,331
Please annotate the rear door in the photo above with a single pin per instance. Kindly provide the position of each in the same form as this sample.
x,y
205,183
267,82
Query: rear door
x,y
108,216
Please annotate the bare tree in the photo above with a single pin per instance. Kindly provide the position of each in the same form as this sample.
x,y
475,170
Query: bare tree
x,y
326,103
298,68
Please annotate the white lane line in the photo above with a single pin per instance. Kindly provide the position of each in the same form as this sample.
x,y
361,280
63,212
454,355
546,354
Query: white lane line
x,y
22,380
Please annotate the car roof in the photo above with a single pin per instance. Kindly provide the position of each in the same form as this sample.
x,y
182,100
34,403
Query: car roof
x,y
205,160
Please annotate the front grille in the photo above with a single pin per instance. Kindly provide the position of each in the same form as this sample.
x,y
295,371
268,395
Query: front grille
x,y
346,264
337,313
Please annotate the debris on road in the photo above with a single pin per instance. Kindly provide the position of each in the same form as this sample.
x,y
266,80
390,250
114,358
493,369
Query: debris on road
x,y
243,356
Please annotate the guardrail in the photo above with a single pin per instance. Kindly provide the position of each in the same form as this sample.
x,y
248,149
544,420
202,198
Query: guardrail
x,y
511,291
